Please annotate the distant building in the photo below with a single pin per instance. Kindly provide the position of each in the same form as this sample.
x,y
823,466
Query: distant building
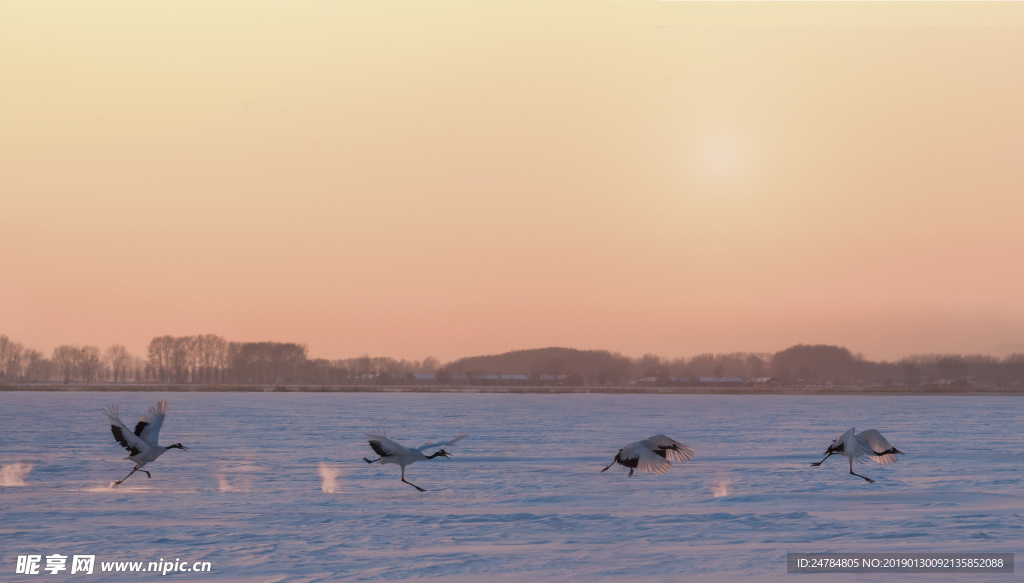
x,y
421,379
457,380
559,380
721,381
664,382
502,380
372,378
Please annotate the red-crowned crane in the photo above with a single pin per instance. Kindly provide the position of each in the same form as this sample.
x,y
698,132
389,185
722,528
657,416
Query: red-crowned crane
x,y
392,452
867,444
652,455
142,443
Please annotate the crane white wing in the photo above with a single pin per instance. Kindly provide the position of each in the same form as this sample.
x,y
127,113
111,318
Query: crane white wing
x,y
148,427
854,446
843,437
451,441
388,446
128,440
674,451
878,444
647,460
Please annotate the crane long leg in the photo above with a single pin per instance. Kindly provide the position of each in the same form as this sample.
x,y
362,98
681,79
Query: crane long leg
x,y
608,466
870,481
822,460
369,461
118,483
410,483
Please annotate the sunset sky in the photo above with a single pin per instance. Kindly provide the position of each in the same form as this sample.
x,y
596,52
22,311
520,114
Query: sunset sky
x,y
443,178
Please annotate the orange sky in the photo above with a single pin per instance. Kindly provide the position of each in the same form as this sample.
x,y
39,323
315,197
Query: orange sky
x,y
459,178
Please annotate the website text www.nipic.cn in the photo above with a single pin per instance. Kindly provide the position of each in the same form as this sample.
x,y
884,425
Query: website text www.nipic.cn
x,y
87,564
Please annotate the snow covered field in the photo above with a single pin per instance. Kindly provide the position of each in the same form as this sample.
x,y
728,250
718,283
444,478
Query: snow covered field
x,y
273,487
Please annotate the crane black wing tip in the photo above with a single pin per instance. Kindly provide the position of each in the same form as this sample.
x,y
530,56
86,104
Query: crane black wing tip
x,y
119,438
378,448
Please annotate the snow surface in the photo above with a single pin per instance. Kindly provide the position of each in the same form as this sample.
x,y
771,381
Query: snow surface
x,y
274,488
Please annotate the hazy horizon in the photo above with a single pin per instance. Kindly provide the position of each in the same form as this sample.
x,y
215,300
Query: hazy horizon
x,y
999,352
464,178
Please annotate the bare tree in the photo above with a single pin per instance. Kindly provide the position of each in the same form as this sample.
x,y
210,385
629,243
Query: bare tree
x,y
11,357
90,364
118,358
66,357
37,368
202,350
652,365
5,348
181,356
430,364
136,370
364,365
263,362
160,350
210,354
952,367
911,372
391,366
219,358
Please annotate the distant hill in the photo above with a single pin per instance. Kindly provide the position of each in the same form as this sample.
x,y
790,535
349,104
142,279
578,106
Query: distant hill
x,y
597,367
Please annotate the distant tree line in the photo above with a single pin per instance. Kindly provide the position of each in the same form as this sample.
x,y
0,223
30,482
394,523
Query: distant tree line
x,y
201,359
209,359
823,365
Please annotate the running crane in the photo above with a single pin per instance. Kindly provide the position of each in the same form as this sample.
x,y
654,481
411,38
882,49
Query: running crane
x,y
392,452
142,443
652,455
858,446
